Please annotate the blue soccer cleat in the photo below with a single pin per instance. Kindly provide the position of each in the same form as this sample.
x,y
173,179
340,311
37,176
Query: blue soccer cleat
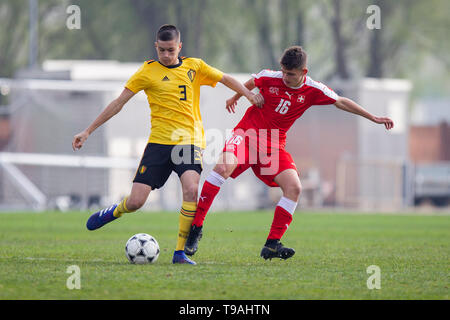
x,y
180,257
100,218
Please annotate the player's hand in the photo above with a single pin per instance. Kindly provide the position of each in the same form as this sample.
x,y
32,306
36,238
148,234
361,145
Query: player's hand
x,y
79,139
231,104
257,100
388,123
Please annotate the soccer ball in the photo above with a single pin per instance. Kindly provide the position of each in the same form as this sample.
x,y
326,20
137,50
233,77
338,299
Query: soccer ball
x,y
142,248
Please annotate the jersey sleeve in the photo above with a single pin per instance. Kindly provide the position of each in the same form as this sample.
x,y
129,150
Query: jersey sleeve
x,y
140,80
209,75
323,95
259,77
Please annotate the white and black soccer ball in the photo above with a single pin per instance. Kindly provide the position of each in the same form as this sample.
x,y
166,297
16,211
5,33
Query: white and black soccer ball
x,y
142,248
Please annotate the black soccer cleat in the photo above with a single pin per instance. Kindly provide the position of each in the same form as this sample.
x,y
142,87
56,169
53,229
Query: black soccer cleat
x,y
275,249
195,234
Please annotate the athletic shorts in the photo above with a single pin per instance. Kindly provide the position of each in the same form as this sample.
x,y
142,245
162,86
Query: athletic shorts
x,y
159,160
265,162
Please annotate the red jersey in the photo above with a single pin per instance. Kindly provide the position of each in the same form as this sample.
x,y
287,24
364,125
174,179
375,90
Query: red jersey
x,y
282,104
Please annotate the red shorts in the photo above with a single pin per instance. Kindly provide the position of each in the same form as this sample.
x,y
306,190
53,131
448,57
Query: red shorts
x,y
266,162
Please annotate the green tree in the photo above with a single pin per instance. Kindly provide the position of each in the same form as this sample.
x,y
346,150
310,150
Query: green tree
x,y
13,37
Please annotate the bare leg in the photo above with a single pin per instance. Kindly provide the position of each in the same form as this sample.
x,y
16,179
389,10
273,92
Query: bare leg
x,y
138,196
134,201
189,185
226,164
289,183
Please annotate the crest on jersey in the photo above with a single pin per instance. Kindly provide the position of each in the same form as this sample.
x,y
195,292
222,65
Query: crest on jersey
x,y
301,98
142,169
274,90
191,74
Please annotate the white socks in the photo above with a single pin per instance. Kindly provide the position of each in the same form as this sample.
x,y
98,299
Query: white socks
x,y
215,179
287,204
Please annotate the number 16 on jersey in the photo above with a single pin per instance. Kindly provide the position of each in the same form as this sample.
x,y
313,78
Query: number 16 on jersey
x,y
283,106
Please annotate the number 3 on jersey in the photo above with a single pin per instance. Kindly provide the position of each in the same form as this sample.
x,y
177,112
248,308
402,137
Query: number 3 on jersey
x,y
283,106
183,92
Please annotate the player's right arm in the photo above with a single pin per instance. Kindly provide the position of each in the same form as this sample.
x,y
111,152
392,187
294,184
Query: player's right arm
x,y
232,102
111,110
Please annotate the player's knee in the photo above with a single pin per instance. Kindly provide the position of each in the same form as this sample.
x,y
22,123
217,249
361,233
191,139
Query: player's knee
x,y
190,193
223,169
135,203
293,191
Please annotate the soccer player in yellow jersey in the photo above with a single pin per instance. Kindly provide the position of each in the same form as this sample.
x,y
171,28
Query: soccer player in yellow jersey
x,y
172,85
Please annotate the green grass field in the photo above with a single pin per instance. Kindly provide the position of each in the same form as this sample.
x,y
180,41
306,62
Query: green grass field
x,y
333,252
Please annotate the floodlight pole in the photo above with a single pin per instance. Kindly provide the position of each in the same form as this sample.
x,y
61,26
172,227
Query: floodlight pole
x,y
33,6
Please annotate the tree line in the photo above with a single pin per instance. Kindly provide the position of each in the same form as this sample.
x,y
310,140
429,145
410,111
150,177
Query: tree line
x,y
238,35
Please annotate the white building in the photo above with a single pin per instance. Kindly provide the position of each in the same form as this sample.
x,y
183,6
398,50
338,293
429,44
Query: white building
x,y
336,152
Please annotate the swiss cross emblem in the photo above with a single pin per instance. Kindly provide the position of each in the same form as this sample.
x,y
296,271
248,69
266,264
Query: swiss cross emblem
x,y
301,98
273,90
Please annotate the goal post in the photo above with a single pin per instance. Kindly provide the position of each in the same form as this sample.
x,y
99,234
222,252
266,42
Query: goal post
x,y
26,177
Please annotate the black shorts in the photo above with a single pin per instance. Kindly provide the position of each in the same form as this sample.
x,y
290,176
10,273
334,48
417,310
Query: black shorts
x,y
159,160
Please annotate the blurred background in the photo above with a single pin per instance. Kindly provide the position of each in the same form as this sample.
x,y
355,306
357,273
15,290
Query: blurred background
x,y
62,62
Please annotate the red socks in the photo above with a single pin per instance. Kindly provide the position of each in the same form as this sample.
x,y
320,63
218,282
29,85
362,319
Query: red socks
x,y
209,192
281,221
282,218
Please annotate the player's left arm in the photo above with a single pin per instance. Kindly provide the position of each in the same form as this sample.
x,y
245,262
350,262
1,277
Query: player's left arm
x,y
242,90
349,105
231,103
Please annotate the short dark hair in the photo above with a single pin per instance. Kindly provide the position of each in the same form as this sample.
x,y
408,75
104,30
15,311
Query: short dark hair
x,y
293,58
168,32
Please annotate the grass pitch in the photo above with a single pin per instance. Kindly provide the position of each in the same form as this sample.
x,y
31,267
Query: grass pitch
x,y
333,252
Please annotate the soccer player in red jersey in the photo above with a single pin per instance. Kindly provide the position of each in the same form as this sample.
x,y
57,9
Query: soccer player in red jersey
x,y
259,139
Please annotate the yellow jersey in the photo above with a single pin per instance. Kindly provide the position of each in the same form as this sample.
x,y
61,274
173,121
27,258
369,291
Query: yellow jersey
x,y
173,94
